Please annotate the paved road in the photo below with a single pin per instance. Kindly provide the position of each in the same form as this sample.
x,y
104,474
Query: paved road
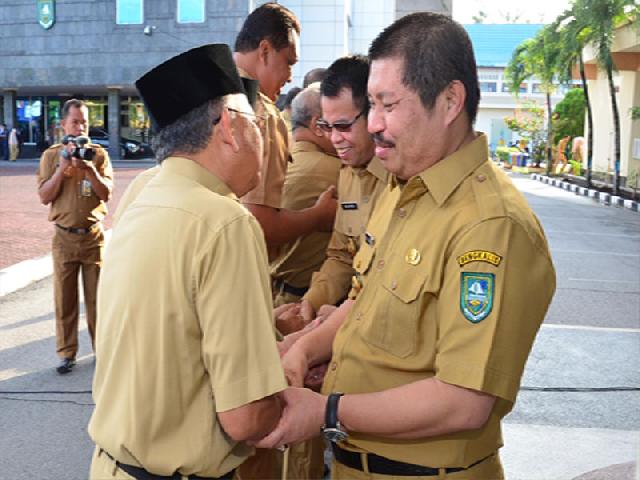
x,y
590,340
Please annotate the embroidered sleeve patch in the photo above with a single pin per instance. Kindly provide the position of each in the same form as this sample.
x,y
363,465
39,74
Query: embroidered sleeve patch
x,y
476,295
479,256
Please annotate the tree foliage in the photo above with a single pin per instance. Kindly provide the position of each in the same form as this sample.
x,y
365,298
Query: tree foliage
x,y
568,116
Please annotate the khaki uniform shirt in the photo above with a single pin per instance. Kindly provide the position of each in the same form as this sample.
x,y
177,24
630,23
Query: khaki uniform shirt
x,y
77,205
311,173
358,192
275,137
177,341
455,289
133,190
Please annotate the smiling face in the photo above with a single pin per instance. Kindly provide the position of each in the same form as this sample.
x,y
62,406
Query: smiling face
x,y
354,146
408,137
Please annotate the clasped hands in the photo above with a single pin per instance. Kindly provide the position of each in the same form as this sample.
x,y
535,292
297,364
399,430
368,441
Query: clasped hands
x,y
303,408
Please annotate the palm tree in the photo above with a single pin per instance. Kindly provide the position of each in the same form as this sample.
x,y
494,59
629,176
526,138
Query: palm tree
x,y
572,41
537,57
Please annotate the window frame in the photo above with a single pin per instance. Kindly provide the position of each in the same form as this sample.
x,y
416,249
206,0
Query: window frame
x,y
204,13
118,22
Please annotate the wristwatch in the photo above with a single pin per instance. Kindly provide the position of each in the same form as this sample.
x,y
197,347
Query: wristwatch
x,y
332,430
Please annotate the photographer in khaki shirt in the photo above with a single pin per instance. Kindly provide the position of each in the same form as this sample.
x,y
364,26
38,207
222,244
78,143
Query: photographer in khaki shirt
x,y
77,190
187,366
457,278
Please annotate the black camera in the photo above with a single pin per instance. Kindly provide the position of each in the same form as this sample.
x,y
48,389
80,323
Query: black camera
x,y
81,151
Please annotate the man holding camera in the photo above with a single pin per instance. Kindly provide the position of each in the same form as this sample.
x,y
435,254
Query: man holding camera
x,y
76,179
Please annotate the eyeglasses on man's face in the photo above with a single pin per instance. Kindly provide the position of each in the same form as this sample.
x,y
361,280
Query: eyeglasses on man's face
x,y
339,126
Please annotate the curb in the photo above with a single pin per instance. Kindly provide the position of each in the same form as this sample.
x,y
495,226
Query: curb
x,y
22,274
602,197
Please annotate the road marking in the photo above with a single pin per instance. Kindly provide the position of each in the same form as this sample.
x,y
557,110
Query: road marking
x,y
590,328
600,280
592,252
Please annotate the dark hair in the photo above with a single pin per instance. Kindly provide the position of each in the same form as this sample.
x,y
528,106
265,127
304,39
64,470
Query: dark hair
x,y
69,104
270,21
285,100
314,75
436,51
350,72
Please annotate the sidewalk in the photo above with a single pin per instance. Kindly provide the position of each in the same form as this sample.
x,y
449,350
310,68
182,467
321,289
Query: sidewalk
x,y
25,232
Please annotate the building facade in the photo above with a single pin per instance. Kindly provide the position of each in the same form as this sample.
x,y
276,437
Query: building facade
x,y
625,50
493,45
54,50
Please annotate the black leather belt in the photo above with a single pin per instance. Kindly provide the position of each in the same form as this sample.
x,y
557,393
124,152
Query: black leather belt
x,y
386,466
141,474
78,231
282,286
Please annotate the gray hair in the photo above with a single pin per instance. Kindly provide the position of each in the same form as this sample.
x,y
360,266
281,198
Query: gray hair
x,y
306,105
190,133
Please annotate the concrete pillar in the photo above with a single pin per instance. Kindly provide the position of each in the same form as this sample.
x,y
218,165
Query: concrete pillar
x,y
10,108
114,122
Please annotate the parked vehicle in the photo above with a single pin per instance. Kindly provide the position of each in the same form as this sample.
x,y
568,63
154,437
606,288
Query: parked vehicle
x,y
128,148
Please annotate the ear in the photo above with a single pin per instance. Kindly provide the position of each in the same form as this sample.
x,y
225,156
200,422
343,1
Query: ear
x,y
314,128
454,96
226,131
264,47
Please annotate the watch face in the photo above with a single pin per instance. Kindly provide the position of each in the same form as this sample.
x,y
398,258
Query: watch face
x,y
335,434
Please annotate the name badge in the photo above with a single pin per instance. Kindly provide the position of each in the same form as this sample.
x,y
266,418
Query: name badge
x,y
349,205
85,188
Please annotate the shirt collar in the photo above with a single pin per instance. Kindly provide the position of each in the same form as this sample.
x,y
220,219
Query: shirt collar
x,y
445,176
192,170
376,168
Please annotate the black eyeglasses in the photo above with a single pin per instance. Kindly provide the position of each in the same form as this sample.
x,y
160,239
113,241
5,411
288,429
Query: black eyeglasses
x,y
339,126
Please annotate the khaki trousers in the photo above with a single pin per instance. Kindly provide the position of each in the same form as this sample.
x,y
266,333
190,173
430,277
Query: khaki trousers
x,y
103,468
306,461
490,469
72,254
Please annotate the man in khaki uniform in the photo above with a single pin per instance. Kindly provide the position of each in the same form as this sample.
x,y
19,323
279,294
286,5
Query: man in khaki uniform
x,y
77,190
457,280
133,190
187,366
266,48
362,178
315,167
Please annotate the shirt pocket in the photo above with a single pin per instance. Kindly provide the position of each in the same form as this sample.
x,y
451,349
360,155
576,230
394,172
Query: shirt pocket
x,y
401,300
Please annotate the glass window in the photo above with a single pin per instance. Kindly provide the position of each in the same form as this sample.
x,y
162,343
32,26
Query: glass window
x,y
129,12
488,87
191,11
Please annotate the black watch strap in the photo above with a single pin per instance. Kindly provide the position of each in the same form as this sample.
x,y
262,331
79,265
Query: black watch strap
x,y
331,411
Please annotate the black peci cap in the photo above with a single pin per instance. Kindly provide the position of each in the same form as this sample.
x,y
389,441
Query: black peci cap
x,y
186,81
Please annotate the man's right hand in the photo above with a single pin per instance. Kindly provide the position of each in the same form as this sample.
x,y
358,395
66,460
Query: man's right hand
x,y
326,207
307,312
